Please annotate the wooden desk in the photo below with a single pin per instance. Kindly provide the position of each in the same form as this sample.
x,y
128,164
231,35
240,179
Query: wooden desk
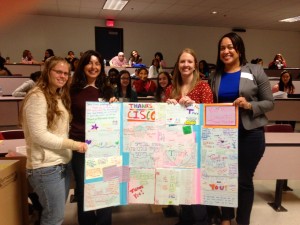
x,y
23,69
9,110
10,83
10,145
285,110
280,161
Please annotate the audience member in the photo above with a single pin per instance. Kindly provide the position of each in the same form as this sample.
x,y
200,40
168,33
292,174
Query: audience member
x,y
203,69
3,70
27,58
113,77
160,57
187,88
24,88
164,80
285,83
124,92
118,61
88,84
153,69
248,87
134,58
48,53
144,86
278,62
257,61
71,59
45,121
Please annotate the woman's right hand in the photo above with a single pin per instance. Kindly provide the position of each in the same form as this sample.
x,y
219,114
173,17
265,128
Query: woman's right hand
x,y
171,101
82,148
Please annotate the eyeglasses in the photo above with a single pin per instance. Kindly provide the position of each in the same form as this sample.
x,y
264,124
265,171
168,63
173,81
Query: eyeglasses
x,y
59,72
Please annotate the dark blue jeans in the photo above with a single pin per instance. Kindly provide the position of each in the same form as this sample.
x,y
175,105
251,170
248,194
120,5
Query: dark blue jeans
x,y
251,149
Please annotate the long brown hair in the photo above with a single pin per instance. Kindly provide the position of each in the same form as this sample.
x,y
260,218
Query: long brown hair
x,y
51,98
177,79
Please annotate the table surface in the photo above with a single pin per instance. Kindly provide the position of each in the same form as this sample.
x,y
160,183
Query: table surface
x,y
10,145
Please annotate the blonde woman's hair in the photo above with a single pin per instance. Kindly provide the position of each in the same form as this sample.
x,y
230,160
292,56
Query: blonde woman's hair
x,y
177,79
43,86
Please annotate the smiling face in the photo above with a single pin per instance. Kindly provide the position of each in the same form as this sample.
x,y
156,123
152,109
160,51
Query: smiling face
x,y
163,80
186,65
228,55
58,76
143,74
92,69
125,79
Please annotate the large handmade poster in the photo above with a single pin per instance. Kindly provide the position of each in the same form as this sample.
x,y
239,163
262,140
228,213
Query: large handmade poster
x,y
158,153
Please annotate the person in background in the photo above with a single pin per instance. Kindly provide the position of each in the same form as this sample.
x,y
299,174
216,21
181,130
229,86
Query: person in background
x,y
48,53
118,61
278,62
247,87
24,88
258,61
27,58
88,84
285,83
113,77
134,58
160,57
203,69
187,88
124,92
144,86
153,69
164,80
3,70
45,118
71,59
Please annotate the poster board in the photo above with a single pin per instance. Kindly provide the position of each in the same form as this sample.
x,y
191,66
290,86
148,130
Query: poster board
x,y
158,153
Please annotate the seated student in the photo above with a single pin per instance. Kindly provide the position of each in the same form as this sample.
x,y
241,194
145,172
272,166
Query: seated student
x,y
3,70
278,62
118,61
113,76
153,69
48,53
164,80
24,88
160,57
285,83
27,58
71,59
134,58
144,86
203,69
124,92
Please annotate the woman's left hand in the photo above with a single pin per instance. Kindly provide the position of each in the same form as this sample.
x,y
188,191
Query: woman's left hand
x,y
113,99
186,101
243,103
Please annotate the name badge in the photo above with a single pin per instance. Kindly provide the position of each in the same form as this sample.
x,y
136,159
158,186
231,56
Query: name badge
x,y
247,75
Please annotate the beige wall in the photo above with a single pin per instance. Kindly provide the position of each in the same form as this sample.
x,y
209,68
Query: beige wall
x,y
62,34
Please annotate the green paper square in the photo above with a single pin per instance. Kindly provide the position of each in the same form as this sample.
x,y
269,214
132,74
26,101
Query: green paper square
x,y
187,129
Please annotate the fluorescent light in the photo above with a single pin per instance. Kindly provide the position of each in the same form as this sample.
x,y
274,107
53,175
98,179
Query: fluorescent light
x,y
114,4
291,20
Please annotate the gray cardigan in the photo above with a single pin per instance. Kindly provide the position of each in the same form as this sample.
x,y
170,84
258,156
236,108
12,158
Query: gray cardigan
x,y
255,87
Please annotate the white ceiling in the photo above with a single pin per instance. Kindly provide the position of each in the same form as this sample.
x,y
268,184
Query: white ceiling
x,y
247,14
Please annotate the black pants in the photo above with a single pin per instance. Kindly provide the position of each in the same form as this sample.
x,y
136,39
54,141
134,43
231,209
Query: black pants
x,y
193,214
251,149
94,217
